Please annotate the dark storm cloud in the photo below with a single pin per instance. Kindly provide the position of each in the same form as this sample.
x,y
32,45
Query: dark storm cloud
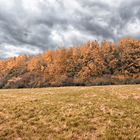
x,y
130,10
34,26
130,16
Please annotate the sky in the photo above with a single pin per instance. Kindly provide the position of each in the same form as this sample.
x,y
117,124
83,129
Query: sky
x,y
33,26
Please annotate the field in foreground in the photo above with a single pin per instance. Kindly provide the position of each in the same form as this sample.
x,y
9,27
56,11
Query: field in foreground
x,y
84,113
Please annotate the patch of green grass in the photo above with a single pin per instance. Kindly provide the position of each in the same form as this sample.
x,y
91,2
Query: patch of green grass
x,y
84,113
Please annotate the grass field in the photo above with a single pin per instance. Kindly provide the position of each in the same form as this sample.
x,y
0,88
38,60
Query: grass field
x,y
71,113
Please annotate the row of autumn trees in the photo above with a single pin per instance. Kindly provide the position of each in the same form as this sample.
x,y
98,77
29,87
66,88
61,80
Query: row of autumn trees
x,y
92,63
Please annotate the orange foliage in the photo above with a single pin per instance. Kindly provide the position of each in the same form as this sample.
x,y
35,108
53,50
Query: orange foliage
x,y
89,64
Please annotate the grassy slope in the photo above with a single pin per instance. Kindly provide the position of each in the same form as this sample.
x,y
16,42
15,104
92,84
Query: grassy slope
x,y
108,112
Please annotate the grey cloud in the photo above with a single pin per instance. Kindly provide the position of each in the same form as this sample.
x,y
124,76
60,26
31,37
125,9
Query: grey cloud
x,y
48,24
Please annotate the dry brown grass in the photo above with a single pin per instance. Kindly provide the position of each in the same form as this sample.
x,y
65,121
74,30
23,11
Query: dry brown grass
x,y
84,113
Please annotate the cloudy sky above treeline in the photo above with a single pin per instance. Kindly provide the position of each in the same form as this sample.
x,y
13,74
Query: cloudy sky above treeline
x,y
32,26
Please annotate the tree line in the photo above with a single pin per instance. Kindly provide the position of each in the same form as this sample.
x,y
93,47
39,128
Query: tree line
x,y
92,63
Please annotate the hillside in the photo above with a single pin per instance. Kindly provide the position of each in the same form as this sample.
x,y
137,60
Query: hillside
x,y
71,113
92,63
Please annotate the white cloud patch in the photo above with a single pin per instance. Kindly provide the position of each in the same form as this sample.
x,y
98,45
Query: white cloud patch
x,y
10,50
133,27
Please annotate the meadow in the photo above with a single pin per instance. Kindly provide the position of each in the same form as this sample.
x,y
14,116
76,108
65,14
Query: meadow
x,y
71,113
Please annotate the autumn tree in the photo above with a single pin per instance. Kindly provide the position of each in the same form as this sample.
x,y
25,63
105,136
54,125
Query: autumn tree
x,y
92,63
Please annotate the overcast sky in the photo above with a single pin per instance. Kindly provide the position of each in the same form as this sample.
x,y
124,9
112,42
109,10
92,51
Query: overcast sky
x,y
32,26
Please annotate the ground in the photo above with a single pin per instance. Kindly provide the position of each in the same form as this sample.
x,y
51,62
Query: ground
x,y
71,113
